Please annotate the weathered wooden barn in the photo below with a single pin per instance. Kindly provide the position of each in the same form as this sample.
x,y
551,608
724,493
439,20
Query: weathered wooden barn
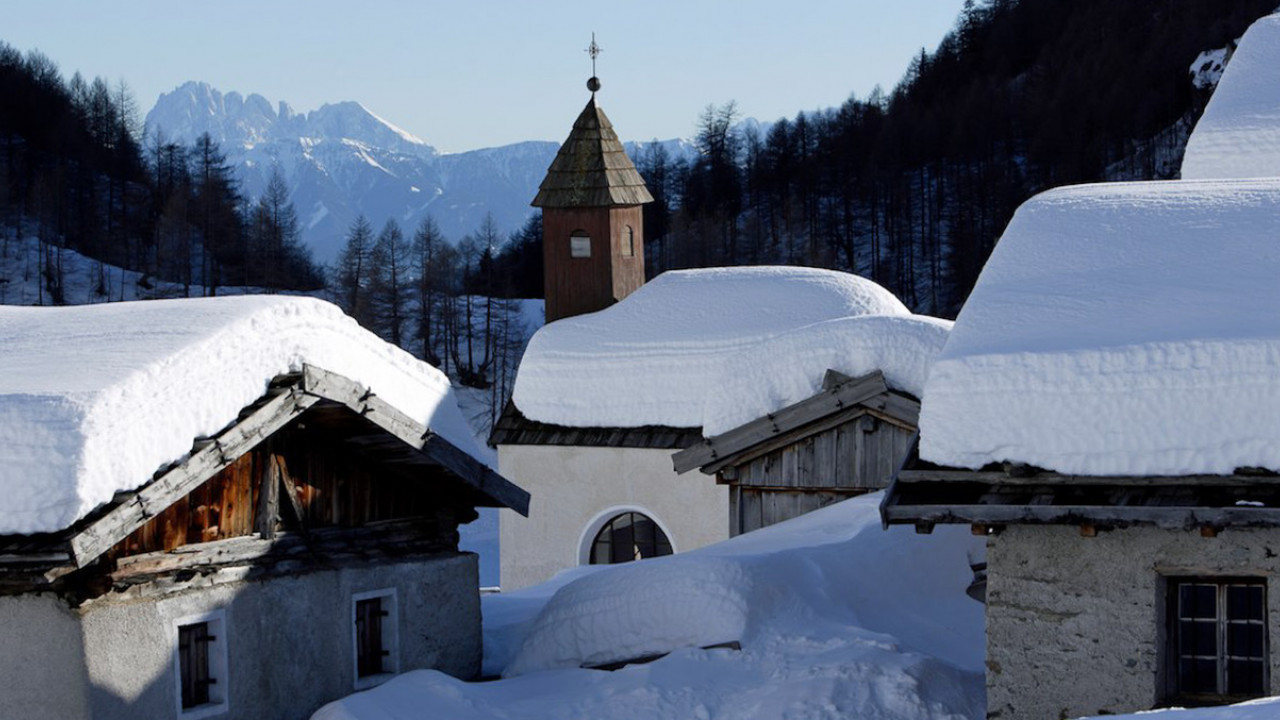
x,y
304,551
845,441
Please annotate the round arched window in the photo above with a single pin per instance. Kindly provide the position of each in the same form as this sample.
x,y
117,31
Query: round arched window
x,y
629,536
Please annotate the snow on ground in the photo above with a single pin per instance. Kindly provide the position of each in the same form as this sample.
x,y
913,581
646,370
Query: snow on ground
x,y
837,619
1119,329
650,359
95,398
1239,134
789,367
1264,709
85,280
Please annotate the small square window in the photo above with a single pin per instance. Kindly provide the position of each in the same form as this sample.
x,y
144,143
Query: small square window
x,y
1218,644
579,245
375,640
201,666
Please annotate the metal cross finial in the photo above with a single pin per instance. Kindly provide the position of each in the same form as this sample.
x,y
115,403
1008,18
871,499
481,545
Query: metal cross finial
x,y
594,51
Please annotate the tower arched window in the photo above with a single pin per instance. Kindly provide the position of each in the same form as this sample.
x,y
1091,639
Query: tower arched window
x,y
626,537
628,242
579,244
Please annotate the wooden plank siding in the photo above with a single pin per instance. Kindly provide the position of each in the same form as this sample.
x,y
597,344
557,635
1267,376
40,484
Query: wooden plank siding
x,y
331,486
854,457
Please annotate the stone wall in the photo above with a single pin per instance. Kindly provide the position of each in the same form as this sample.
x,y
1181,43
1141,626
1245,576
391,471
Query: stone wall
x,y
1075,625
575,489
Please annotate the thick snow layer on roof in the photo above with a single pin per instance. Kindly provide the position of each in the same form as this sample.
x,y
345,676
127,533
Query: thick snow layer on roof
x,y
94,399
789,367
1239,134
1120,329
650,359
836,618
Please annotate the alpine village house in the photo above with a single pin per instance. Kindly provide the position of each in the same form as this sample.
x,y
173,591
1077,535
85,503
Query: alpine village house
x,y
1106,414
298,548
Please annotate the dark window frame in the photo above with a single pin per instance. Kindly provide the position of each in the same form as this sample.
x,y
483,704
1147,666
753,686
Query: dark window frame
x,y
1217,647
193,664
632,529
370,651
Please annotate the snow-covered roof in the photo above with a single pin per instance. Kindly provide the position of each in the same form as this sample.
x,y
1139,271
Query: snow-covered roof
x,y
1120,329
903,347
95,398
1239,134
657,356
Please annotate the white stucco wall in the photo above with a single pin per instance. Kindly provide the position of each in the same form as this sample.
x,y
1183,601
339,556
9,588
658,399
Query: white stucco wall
x,y
289,641
42,673
1075,624
570,487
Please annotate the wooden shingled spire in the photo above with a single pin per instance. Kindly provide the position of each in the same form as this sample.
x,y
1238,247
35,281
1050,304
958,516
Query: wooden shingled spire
x,y
592,219
592,169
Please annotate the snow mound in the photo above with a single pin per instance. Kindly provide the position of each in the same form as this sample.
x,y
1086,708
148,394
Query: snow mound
x,y
1263,709
1119,329
789,367
836,618
95,399
1239,134
636,611
650,359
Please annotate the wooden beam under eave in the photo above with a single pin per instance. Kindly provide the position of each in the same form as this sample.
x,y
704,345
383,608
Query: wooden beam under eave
x,y
373,408
152,499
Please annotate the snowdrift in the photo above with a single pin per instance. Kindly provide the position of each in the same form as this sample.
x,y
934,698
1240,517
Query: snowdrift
x,y
95,399
837,618
1119,329
652,358
1239,134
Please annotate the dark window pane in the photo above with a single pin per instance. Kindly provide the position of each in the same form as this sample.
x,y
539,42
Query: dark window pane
x,y
624,542
1245,677
1244,640
1244,602
644,536
1198,676
1198,601
193,664
1198,638
369,651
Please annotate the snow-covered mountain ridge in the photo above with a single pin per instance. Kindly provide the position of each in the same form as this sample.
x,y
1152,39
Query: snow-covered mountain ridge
x,y
342,160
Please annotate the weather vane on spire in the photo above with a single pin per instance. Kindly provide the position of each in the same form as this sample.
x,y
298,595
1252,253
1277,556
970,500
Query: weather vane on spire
x,y
594,51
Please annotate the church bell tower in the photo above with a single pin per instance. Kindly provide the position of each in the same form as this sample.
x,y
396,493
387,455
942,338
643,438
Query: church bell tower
x,y
592,224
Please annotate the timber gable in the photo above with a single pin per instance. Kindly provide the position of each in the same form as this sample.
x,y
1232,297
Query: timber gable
x,y
317,469
847,440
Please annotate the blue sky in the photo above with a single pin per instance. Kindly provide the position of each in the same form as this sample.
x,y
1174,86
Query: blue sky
x,y
464,75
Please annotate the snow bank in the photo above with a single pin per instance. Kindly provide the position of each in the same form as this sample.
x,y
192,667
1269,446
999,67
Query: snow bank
x,y
1264,709
650,359
94,399
789,367
836,617
1239,134
1119,329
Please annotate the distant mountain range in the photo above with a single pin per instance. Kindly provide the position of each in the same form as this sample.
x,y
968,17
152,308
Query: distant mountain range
x,y
342,160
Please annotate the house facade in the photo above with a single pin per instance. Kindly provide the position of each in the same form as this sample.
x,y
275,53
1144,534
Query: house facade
x,y
306,550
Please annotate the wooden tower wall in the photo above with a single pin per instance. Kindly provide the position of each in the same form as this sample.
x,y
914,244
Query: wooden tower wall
x,y
582,285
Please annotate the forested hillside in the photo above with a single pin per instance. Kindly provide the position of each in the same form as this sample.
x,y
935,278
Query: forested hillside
x,y
75,172
913,187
